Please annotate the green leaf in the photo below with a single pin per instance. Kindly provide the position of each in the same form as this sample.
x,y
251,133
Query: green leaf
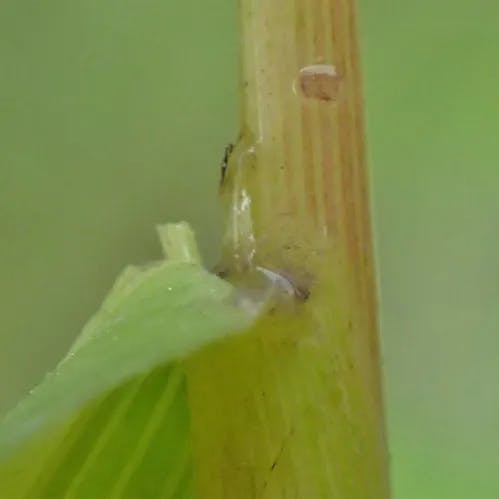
x,y
112,420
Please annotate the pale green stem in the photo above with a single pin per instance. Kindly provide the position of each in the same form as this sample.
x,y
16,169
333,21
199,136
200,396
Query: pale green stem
x,y
294,409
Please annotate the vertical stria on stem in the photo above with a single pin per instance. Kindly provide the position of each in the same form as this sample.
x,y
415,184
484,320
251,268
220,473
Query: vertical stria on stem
x,y
293,408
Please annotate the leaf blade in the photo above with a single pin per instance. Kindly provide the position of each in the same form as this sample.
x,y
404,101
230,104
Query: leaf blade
x,y
113,419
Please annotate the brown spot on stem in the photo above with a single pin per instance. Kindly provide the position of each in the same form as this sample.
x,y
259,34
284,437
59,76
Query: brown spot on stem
x,y
320,81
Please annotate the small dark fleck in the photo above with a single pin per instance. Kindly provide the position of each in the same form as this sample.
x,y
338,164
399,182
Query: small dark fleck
x,y
225,162
264,487
302,293
220,272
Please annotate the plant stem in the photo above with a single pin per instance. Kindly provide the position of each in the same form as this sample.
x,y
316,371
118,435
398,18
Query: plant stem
x,y
293,409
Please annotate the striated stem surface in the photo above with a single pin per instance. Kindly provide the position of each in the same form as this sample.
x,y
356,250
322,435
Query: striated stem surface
x,y
293,408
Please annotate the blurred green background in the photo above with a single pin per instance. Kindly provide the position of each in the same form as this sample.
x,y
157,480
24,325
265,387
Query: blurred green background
x,y
113,117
